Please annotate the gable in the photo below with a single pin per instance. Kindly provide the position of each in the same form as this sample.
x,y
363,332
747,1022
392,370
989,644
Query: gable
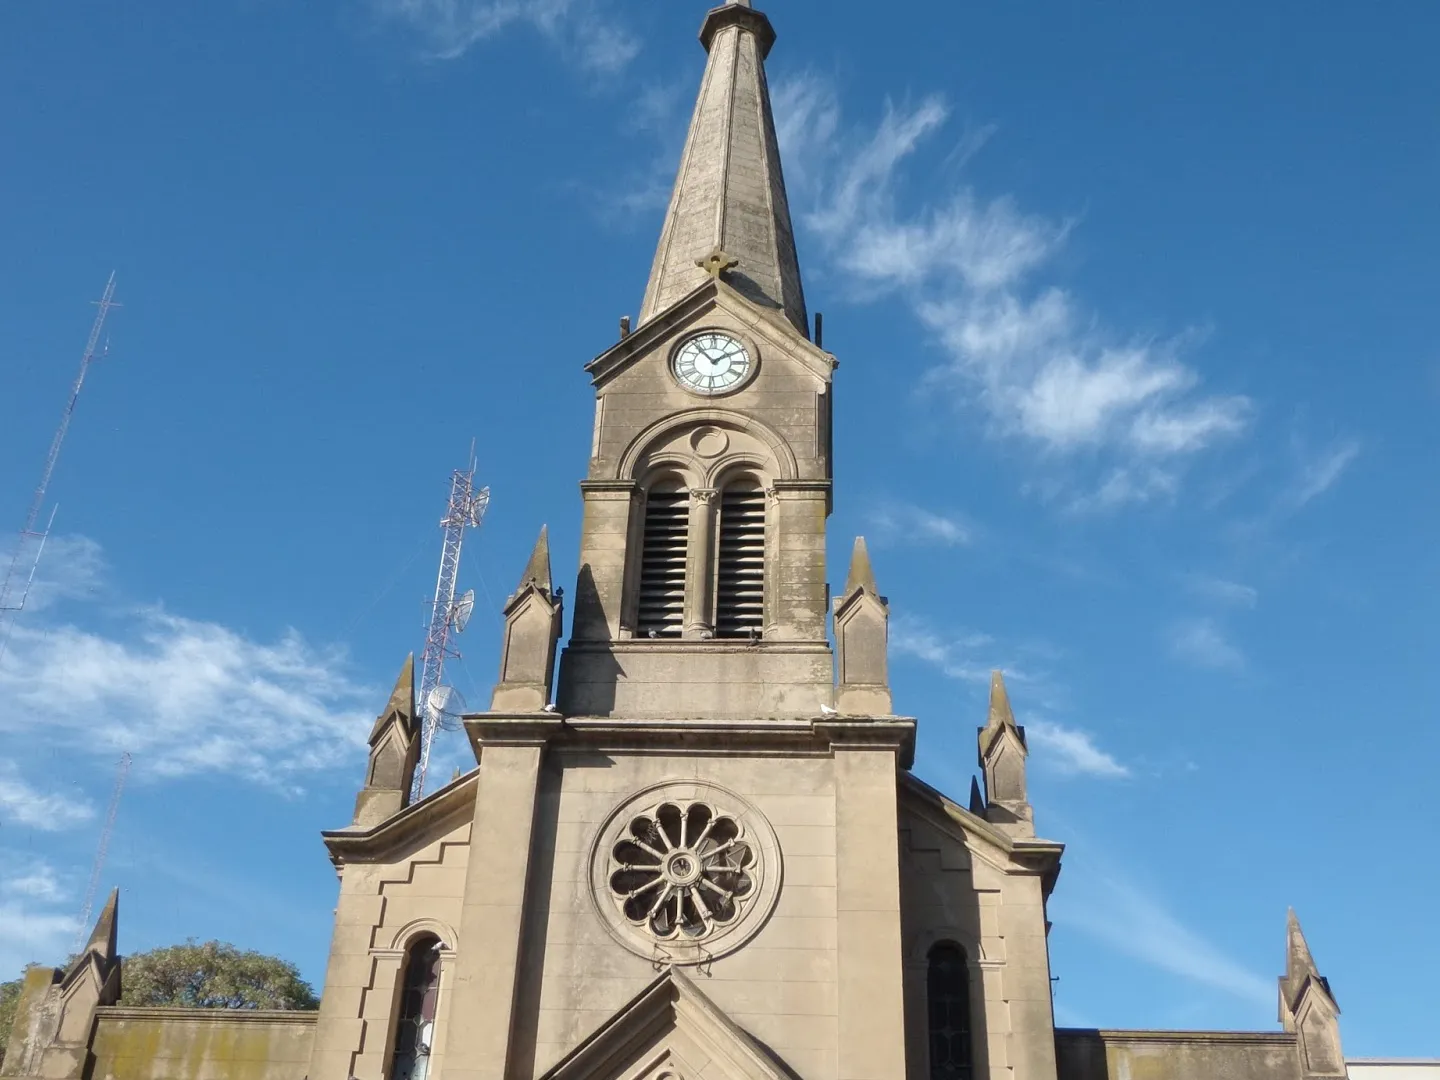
x,y
716,302
670,1031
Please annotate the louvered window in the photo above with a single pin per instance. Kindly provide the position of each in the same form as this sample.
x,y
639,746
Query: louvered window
x,y
662,562
740,562
947,987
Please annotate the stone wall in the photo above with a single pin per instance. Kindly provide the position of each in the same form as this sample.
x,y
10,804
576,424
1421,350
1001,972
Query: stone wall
x,y
201,1044
1086,1054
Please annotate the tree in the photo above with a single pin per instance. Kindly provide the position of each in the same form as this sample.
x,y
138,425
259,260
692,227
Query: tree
x,y
213,975
9,998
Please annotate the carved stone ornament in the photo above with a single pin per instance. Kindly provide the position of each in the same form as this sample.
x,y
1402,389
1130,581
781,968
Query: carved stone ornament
x,y
684,871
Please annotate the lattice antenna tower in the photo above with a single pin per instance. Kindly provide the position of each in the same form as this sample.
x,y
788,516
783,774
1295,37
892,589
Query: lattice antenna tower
x,y
101,850
466,510
20,573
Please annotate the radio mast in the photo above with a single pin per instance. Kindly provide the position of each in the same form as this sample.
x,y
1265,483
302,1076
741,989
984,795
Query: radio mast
x,y
20,573
102,849
466,510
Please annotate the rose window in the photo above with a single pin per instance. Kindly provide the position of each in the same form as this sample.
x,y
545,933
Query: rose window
x,y
682,873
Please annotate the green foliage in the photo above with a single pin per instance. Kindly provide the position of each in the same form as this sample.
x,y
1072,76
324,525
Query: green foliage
x,y
213,975
9,998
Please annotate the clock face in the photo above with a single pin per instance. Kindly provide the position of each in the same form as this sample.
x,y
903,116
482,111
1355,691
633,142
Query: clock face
x,y
711,363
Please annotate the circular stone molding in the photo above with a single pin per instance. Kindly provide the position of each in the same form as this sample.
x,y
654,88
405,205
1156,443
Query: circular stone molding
x,y
684,871
709,442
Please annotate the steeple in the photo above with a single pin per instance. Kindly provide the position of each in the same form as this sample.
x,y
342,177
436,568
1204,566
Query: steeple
x,y
729,193
1002,759
1307,1008
394,751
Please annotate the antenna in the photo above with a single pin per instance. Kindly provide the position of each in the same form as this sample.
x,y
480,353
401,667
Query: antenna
x,y
102,850
15,586
466,510
464,608
447,705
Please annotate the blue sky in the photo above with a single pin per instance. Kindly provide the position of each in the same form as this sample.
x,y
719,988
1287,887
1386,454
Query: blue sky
x,y
1137,295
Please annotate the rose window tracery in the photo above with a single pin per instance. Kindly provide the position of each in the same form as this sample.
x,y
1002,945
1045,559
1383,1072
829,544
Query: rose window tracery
x,y
682,872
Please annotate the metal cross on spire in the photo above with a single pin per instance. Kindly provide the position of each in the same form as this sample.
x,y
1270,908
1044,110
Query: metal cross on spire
x,y
717,262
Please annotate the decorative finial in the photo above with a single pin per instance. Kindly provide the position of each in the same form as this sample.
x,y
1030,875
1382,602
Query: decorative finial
x,y
717,262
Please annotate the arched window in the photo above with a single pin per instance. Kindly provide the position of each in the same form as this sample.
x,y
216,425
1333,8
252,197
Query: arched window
x,y
740,561
947,993
415,1026
662,561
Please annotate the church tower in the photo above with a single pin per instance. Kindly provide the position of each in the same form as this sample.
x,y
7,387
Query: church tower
x,y
702,587
697,850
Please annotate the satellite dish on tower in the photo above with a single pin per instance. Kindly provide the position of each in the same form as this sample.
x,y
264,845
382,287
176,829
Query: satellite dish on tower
x,y
479,502
463,609
446,706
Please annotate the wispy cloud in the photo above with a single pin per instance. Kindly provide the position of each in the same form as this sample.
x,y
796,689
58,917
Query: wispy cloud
x,y
962,657
1071,751
971,658
33,929
1318,473
905,523
1202,642
448,29
1221,591
1043,371
67,568
22,803
1134,922
187,696
37,881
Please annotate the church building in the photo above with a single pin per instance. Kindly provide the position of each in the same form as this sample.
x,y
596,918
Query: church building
x,y
692,847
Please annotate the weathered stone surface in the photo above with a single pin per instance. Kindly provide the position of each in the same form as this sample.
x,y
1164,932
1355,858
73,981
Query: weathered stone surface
x,y
202,1044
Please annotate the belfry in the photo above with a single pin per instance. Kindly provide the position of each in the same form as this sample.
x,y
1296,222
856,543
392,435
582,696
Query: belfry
x,y
692,847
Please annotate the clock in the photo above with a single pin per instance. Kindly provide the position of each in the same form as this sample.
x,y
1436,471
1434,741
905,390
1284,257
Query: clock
x,y
712,363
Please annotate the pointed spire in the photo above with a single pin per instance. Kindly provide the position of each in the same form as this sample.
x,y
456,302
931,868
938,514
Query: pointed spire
x,y
1001,716
1299,964
533,618
537,570
1308,1008
861,573
1000,712
401,703
1002,759
729,198
1298,961
103,937
977,801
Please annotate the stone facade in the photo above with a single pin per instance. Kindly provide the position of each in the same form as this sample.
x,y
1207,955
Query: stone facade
x,y
699,853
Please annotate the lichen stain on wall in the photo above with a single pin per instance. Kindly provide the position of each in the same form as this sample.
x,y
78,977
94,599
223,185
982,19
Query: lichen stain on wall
x,y
200,1044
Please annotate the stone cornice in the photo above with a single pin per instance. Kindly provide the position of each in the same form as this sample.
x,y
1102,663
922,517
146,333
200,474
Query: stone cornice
x,y
743,16
618,487
438,812
807,736
511,729
820,487
171,1014
1243,1038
